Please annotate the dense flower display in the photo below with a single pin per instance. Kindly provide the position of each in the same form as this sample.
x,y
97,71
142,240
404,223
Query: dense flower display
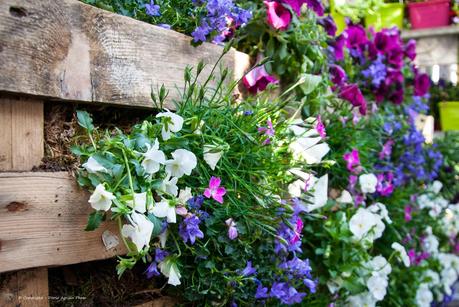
x,y
316,187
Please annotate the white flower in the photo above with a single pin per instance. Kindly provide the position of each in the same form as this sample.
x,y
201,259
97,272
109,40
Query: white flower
x,y
163,209
334,285
320,194
163,238
362,222
171,123
368,183
345,198
364,299
139,231
170,269
434,278
377,286
379,266
296,188
436,187
184,195
308,150
381,210
424,296
183,163
140,202
101,199
448,278
169,185
153,158
92,166
403,256
211,156
424,201
431,244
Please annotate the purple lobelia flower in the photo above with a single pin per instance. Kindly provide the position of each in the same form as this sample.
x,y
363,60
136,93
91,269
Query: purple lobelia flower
x,y
189,229
201,32
152,270
337,75
160,254
249,270
376,72
410,49
152,9
328,24
195,202
421,84
352,93
286,294
267,131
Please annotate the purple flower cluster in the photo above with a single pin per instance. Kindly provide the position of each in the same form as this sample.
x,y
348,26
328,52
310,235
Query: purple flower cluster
x,y
376,72
223,17
152,269
189,229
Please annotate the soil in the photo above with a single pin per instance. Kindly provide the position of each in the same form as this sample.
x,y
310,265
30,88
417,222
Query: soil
x,y
62,130
96,284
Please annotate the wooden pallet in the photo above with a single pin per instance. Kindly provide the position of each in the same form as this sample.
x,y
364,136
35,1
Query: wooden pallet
x,y
71,52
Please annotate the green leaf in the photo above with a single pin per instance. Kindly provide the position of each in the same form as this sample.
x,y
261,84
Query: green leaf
x,y
94,220
85,120
157,225
310,82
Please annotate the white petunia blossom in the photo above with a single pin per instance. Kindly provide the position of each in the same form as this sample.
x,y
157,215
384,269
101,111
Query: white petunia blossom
x,y
436,187
183,163
424,296
92,166
363,222
361,300
431,244
153,158
169,185
163,209
368,183
377,286
211,156
296,188
379,266
101,199
345,198
140,202
402,255
381,210
171,123
170,269
139,230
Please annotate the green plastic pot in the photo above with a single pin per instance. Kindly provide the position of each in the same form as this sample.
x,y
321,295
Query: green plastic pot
x,y
387,16
449,115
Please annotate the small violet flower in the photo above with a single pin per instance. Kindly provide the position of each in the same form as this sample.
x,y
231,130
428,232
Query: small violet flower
x,y
189,229
268,131
249,269
232,230
214,190
152,9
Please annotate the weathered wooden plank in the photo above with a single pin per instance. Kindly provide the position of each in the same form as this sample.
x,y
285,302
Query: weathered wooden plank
x,y
23,145
42,217
164,301
67,50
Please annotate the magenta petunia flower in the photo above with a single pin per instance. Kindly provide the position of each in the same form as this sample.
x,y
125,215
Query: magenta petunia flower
x,y
298,229
352,93
268,131
320,127
410,49
356,37
258,79
337,74
279,17
295,5
337,46
352,161
214,190
421,84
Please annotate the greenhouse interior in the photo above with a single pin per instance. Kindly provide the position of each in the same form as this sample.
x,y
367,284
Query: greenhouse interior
x,y
159,153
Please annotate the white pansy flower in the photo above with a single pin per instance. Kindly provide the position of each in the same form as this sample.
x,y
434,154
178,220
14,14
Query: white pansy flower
x,y
368,183
379,266
334,285
364,299
163,209
171,123
140,202
431,244
184,195
377,286
212,156
319,194
170,269
92,166
153,158
424,201
139,230
296,188
381,210
448,279
345,198
402,255
183,163
169,185
436,187
101,199
362,222
424,296
433,276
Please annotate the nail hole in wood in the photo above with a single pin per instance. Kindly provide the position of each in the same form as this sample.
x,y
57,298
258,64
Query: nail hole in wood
x,y
18,11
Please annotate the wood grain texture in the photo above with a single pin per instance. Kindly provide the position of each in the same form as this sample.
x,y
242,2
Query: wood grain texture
x,y
6,161
26,288
67,50
42,217
164,301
